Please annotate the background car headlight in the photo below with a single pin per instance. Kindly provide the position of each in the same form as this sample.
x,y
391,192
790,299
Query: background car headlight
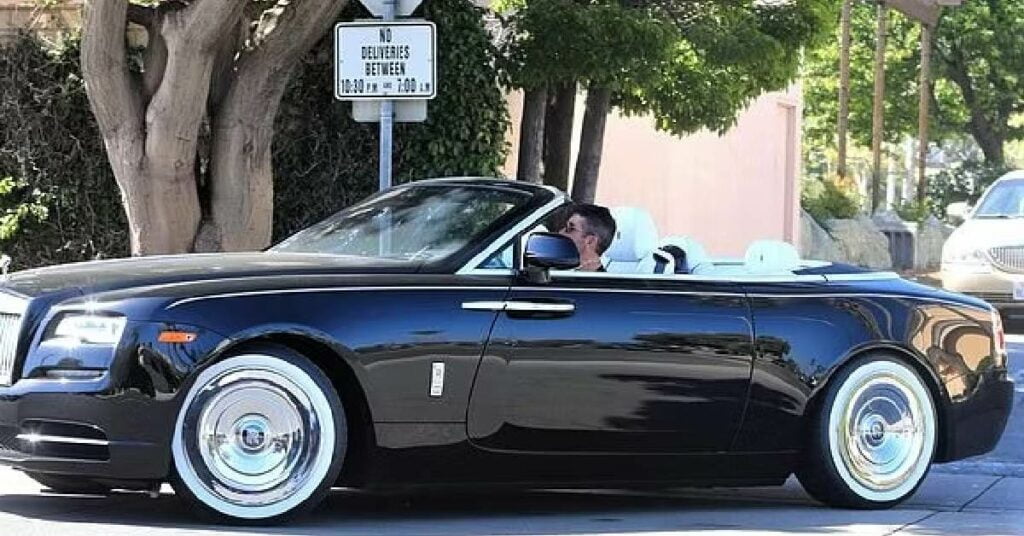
x,y
91,329
972,260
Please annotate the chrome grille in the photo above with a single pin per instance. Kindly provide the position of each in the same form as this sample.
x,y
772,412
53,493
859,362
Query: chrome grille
x,y
1008,258
10,326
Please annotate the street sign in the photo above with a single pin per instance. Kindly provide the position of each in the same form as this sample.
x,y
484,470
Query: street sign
x,y
385,60
406,111
403,8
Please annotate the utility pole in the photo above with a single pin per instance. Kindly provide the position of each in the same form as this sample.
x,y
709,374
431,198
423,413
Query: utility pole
x,y
878,116
922,117
844,86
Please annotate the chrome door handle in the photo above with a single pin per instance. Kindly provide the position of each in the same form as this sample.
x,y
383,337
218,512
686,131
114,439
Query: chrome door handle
x,y
539,307
520,306
484,306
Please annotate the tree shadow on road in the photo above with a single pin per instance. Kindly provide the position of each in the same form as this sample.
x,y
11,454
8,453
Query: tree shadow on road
x,y
459,513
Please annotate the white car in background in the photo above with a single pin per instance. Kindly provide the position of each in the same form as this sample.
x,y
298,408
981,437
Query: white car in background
x,y
984,257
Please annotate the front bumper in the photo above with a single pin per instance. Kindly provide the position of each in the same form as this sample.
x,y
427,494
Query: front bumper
x,y
102,434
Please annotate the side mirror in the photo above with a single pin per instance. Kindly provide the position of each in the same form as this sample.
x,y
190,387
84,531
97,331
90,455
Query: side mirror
x,y
958,211
550,251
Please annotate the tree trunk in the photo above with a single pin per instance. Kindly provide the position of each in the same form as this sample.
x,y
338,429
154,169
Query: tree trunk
x,y
990,134
151,125
561,111
151,138
993,146
241,189
588,163
843,122
531,136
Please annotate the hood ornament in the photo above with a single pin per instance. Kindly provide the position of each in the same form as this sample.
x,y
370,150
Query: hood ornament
x,y
5,265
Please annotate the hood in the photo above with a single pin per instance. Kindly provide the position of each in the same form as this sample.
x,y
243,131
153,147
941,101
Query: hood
x,y
985,233
115,274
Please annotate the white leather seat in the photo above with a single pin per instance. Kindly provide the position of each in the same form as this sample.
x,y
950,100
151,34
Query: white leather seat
x,y
771,257
696,255
636,238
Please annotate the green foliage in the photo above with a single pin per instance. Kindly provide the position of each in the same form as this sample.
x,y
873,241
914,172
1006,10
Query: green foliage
x,y
20,207
825,200
916,211
978,55
726,55
965,182
61,203
980,50
903,57
692,65
554,41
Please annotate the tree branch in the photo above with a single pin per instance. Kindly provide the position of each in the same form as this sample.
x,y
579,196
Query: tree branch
x,y
264,72
205,20
154,58
179,102
115,100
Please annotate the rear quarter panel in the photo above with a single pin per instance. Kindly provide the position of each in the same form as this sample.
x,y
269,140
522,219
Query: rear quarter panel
x,y
805,332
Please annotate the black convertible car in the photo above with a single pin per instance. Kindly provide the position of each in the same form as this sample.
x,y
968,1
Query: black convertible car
x,y
437,335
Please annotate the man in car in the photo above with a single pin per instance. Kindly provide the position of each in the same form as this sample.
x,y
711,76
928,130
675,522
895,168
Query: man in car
x,y
592,229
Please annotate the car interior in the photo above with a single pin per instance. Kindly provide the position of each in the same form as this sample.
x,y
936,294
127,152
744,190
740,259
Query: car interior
x,y
639,249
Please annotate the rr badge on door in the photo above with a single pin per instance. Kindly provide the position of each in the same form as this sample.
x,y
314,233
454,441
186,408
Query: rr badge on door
x,y
437,380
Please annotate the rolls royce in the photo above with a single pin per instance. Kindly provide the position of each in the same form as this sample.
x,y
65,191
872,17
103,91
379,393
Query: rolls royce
x,y
437,334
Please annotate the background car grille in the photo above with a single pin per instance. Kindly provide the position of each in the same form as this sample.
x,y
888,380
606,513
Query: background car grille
x,y
10,326
1008,258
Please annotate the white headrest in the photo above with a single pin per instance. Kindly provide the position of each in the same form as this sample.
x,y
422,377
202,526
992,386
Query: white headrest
x,y
771,257
636,235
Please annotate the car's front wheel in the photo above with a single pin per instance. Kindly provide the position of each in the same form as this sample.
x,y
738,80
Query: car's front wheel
x,y
260,437
873,439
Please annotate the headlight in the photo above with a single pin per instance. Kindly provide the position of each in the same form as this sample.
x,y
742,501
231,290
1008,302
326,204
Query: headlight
x,y
90,329
970,260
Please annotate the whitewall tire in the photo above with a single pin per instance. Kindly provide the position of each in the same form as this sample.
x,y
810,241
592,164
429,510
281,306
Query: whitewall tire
x,y
873,437
260,437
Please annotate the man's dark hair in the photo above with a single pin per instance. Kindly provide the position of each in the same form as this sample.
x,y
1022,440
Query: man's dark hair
x,y
600,223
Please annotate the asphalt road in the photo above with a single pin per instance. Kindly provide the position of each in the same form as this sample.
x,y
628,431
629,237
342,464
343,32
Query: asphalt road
x,y
981,496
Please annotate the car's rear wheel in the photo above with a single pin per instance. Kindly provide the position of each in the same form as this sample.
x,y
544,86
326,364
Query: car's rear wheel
x,y
873,439
260,437
68,484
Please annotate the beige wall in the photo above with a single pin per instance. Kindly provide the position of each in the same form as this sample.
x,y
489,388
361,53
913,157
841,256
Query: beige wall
x,y
18,15
724,191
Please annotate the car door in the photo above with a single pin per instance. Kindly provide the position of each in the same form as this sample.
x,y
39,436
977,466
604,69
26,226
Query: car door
x,y
601,363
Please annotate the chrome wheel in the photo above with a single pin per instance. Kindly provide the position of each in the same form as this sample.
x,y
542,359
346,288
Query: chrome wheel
x,y
255,437
882,431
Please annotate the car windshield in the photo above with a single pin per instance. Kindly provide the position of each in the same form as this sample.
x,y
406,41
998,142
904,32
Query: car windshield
x,y
421,223
1004,200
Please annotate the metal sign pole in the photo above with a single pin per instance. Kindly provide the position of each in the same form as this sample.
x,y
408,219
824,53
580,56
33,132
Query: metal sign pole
x,y
387,117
